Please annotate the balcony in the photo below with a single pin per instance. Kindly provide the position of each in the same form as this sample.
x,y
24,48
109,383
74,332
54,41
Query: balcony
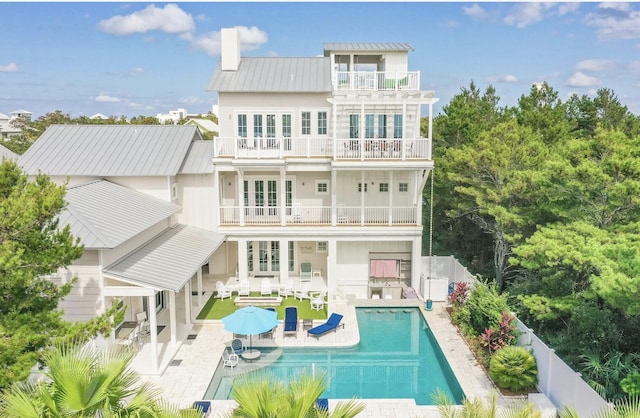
x,y
317,216
376,80
310,147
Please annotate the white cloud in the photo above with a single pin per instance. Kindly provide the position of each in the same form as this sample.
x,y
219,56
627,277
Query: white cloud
x,y
525,14
615,21
189,100
580,79
595,65
634,66
12,67
103,98
250,38
136,71
502,78
140,106
566,8
476,12
171,19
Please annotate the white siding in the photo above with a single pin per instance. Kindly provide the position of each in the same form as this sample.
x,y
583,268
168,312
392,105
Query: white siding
x,y
159,187
85,300
396,61
196,195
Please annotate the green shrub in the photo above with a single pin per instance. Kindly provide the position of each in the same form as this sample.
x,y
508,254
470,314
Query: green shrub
x,y
485,305
514,368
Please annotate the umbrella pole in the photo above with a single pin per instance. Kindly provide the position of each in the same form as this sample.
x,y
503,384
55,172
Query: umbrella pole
x,y
251,343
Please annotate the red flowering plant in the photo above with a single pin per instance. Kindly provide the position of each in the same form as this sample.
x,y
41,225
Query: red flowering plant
x,y
504,335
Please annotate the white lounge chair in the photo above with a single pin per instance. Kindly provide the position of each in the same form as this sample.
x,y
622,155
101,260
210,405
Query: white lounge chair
x,y
223,292
265,287
286,289
229,359
302,293
244,288
317,301
305,272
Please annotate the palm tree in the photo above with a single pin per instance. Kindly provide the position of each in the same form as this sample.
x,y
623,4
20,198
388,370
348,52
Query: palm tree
x,y
261,395
625,408
84,382
477,409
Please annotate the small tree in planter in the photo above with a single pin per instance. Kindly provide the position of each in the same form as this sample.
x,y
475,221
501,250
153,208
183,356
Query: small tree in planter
x,y
514,368
504,335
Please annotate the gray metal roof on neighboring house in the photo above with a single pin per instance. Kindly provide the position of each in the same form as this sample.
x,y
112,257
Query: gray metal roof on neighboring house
x,y
109,150
366,46
206,124
275,75
7,153
104,214
199,159
168,261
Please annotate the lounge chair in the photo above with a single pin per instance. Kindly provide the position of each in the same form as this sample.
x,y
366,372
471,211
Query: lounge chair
x,y
322,404
305,272
317,301
332,324
291,321
223,292
302,293
229,358
244,288
203,406
270,333
265,287
286,289
237,346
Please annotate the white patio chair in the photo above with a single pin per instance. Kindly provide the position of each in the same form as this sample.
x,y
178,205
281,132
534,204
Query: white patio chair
x,y
244,288
223,292
317,301
286,289
229,359
143,324
265,287
302,293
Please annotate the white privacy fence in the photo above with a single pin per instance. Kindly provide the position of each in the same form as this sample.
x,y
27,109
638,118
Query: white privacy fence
x,y
559,382
436,277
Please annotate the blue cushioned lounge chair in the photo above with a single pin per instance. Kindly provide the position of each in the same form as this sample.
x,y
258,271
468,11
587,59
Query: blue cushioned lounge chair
x,y
331,325
290,320
203,406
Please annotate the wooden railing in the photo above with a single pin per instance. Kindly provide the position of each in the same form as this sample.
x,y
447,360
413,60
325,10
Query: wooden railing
x,y
317,215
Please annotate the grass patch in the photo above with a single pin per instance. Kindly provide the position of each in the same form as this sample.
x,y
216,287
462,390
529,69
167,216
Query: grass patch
x,y
218,309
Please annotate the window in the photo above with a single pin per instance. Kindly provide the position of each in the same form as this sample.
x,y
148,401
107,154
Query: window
x,y
174,191
384,187
321,246
403,187
322,123
250,255
271,126
397,126
286,126
368,126
354,126
382,126
292,253
242,126
322,187
360,187
306,123
257,126
275,255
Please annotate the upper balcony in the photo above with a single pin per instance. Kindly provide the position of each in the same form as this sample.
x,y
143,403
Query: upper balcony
x,y
308,147
376,80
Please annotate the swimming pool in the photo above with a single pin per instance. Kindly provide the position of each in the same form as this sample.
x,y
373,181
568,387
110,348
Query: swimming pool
x,y
397,357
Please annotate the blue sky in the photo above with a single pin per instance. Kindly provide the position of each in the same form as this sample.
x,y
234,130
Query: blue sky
x,y
148,58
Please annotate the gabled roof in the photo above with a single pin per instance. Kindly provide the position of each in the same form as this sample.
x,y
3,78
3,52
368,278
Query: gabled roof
x,y
168,261
275,75
199,159
206,124
7,153
110,150
366,47
104,215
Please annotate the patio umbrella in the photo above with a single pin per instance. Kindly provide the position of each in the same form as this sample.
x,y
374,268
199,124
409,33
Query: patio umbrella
x,y
250,320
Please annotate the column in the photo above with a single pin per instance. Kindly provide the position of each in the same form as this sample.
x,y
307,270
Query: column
x,y
240,196
416,262
153,328
199,278
172,316
284,260
217,198
391,188
332,285
187,302
282,197
243,272
334,200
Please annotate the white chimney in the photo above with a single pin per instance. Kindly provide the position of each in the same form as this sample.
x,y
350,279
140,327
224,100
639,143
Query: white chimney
x,y
230,49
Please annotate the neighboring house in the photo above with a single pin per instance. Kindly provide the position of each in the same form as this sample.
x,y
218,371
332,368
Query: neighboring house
x,y
6,129
317,176
208,127
173,115
320,160
6,153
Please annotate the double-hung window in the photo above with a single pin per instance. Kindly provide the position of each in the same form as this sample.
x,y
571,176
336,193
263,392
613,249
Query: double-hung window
x,y
382,126
354,126
322,123
397,126
368,126
306,123
242,126
257,126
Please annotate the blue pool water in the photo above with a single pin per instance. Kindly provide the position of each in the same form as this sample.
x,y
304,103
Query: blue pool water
x,y
397,357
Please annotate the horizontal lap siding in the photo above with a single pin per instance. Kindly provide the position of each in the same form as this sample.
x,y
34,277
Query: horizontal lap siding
x,y
85,300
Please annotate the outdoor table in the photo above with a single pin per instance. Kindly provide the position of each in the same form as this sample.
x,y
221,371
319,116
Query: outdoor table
x,y
250,355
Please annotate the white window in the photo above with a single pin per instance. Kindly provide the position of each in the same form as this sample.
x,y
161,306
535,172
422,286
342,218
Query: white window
x,y
257,126
362,186
397,126
384,187
321,246
322,123
403,187
322,187
382,126
242,126
368,126
174,191
306,123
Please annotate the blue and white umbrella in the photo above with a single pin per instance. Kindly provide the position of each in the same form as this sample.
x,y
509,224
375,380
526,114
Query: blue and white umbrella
x,y
250,320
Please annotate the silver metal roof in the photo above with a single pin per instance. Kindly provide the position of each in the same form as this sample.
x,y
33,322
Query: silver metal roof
x,y
199,159
109,150
104,215
366,47
7,153
275,75
168,261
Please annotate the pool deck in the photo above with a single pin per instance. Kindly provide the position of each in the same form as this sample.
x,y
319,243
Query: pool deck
x,y
186,382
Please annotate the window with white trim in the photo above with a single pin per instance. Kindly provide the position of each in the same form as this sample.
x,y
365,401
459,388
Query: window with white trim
x,y
322,123
368,126
322,246
306,123
322,187
382,126
242,126
397,125
384,187
362,186
403,187
257,126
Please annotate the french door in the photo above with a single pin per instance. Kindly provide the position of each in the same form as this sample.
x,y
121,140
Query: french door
x,y
268,257
262,199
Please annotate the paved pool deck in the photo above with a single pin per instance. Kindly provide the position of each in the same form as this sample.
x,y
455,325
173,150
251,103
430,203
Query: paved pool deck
x,y
188,379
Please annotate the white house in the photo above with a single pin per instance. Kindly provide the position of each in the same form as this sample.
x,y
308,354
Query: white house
x,y
319,164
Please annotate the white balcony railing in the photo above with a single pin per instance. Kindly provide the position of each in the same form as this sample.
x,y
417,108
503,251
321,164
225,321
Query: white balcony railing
x,y
376,80
307,147
317,215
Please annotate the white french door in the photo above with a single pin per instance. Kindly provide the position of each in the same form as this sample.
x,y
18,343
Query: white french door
x,y
268,257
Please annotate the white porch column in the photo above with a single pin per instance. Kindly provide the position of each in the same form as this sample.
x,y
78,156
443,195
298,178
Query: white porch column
x,y
172,316
153,331
416,262
332,285
362,193
199,275
391,187
334,199
187,303
361,131
243,271
217,198
240,196
284,260
282,197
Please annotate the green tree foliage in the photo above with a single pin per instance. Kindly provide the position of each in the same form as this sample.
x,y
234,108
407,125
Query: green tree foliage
x,y
514,368
477,408
84,382
544,113
261,395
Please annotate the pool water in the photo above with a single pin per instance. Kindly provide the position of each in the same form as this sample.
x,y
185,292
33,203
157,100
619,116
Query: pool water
x,y
397,357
